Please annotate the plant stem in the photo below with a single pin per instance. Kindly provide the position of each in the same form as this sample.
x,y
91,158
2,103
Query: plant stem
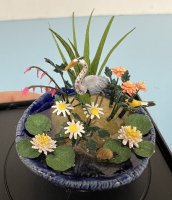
x,y
67,96
72,73
68,116
111,100
117,81
41,86
73,99
63,93
115,108
133,96
110,79
113,93
77,104
97,98
35,67
89,122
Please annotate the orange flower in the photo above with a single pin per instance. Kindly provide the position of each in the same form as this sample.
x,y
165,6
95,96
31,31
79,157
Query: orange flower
x,y
129,87
119,71
141,86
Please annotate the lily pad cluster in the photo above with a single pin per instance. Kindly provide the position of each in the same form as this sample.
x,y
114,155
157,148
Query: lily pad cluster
x,y
62,158
145,148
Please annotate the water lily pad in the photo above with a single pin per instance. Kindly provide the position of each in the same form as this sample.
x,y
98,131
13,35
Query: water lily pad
x,y
146,149
123,153
142,122
24,148
62,158
37,124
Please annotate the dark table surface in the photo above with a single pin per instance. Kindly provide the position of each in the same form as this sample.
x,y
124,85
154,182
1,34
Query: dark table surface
x,y
17,182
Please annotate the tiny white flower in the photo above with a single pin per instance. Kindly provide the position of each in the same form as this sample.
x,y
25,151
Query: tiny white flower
x,y
93,110
74,129
62,107
130,135
43,143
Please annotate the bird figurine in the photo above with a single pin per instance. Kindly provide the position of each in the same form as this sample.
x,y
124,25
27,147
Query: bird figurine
x,y
136,103
92,83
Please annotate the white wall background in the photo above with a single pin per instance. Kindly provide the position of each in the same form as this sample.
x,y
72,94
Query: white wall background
x,y
33,9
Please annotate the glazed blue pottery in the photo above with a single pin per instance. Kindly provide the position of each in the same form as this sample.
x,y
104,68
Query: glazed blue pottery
x,y
121,177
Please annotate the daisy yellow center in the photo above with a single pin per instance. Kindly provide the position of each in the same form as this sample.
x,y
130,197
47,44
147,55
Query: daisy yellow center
x,y
94,111
132,134
73,128
43,139
62,106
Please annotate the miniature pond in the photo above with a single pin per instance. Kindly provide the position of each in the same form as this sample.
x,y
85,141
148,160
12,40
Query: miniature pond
x,y
86,162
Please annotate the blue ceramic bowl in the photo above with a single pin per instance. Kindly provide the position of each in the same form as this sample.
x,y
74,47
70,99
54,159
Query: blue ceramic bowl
x,y
120,178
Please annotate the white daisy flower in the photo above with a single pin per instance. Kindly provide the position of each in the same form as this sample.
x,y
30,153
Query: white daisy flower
x,y
62,107
130,135
74,129
43,143
93,110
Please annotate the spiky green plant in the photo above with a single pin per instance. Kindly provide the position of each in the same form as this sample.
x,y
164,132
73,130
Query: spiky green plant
x,y
72,50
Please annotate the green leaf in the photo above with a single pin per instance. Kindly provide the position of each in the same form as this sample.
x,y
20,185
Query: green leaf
x,y
142,122
59,49
111,51
57,98
103,133
59,68
84,98
123,153
93,129
108,72
68,84
24,148
126,76
76,116
77,67
70,72
87,41
91,144
72,75
62,158
75,49
73,30
37,124
95,62
146,149
113,145
50,62
65,44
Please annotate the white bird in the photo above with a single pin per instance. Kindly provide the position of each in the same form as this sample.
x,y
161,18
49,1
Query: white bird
x,y
92,83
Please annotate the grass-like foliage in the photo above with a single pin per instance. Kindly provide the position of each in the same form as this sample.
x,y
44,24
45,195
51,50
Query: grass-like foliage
x,y
95,67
